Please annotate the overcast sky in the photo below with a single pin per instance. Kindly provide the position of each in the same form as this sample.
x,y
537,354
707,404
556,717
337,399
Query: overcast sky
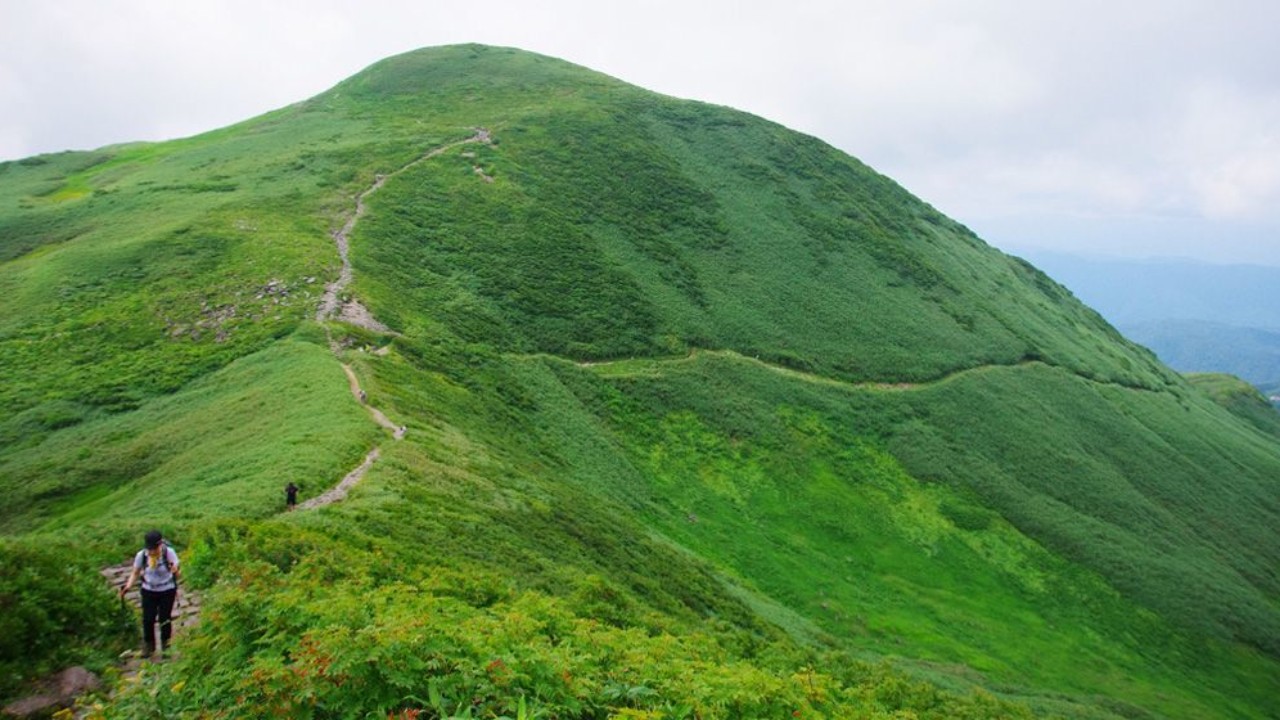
x,y
1117,127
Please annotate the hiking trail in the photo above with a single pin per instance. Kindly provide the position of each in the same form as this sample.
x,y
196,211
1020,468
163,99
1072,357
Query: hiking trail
x,y
186,610
652,366
186,615
353,313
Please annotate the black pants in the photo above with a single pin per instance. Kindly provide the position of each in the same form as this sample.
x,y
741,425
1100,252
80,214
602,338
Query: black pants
x,y
157,605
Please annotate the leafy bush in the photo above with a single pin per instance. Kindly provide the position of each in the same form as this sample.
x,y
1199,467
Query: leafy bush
x,y
327,638
55,611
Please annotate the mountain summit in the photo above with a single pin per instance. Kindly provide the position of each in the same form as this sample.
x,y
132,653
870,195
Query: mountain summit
x,y
604,404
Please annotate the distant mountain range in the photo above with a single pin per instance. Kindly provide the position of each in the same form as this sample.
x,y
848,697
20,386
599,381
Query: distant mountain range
x,y
1249,353
1128,292
1197,317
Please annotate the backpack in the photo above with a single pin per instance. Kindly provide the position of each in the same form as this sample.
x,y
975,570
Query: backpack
x,y
163,561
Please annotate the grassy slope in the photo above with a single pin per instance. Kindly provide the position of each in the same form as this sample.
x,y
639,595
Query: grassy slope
x,y
534,274
966,536
1241,398
220,447
683,220
762,483
155,274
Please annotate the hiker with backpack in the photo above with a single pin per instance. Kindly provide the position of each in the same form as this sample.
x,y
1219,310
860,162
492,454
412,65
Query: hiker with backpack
x,y
157,565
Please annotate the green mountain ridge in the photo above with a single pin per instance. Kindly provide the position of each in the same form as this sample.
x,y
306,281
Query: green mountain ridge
x,y
704,419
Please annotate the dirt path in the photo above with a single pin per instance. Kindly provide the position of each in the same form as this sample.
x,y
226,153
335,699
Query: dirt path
x,y
352,311
186,612
397,431
339,491
637,365
651,366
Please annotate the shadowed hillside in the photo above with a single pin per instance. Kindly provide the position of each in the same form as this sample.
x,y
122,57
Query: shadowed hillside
x,y
700,417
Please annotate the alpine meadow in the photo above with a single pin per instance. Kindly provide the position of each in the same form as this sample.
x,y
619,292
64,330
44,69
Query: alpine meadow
x,y
647,409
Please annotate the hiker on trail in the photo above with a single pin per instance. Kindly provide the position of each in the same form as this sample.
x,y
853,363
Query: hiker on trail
x,y
290,495
157,565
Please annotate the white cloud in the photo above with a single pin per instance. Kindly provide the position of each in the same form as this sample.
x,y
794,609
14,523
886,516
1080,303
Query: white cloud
x,y
1228,146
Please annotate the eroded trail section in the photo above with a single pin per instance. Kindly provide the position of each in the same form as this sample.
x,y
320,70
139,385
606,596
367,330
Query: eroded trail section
x,y
397,431
339,491
351,311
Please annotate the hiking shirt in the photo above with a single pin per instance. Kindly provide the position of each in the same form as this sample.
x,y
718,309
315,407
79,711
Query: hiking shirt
x,y
157,571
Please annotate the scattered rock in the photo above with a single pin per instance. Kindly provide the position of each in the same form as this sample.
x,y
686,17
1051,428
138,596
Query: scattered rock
x,y
76,681
356,314
57,691
273,288
186,611
33,706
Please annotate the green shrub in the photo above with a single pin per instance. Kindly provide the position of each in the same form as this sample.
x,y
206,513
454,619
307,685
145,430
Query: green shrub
x,y
328,639
55,611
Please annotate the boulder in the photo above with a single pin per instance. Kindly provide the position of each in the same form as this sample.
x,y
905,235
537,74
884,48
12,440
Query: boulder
x,y
57,691
76,681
